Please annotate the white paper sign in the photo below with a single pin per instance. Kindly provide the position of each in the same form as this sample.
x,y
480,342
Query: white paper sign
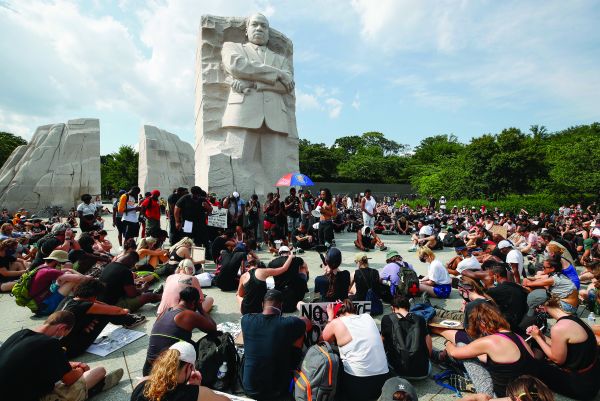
x,y
113,338
218,218
198,253
188,226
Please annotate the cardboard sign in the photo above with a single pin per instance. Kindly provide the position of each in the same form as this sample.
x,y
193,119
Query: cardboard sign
x,y
317,313
500,230
218,218
198,253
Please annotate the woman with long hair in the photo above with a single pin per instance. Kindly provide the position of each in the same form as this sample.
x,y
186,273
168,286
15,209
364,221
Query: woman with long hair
x,y
174,378
361,351
328,210
335,283
573,369
568,269
557,283
364,278
504,355
150,257
437,283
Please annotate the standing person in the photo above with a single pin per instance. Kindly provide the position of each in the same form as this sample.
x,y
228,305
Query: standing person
x,y
150,208
270,211
171,201
33,366
328,211
193,208
235,210
308,205
361,351
174,378
87,212
437,283
128,207
272,348
292,210
117,219
253,213
443,204
367,205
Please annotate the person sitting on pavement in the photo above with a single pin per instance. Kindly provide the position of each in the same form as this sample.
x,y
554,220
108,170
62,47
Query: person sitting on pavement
x,y
61,238
367,239
9,271
514,258
390,274
101,243
178,252
272,348
183,277
364,278
510,297
231,261
86,257
92,316
425,237
437,283
253,286
334,284
33,366
292,282
176,324
150,256
121,287
397,388
464,261
365,365
174,377
301,239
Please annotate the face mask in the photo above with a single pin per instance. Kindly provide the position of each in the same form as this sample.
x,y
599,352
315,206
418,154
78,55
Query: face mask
x,y
422,259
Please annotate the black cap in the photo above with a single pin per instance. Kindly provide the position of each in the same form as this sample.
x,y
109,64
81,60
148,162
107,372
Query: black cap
x,y
273,296
334,258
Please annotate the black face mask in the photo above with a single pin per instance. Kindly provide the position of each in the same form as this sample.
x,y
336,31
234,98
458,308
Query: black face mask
x,y
422,259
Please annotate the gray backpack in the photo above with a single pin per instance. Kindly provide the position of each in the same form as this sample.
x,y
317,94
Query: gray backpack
x,y
317,378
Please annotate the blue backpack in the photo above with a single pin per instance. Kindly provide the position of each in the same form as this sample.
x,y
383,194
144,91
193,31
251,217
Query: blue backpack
x,y
426,311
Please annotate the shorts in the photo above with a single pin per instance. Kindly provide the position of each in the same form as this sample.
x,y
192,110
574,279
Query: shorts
x,y
292,223
133,304
442,290
568,308
75,392
131,229
51,302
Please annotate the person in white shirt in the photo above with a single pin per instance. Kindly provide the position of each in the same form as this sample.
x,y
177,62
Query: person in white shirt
x,y
367,205
514,258
437,283
442,203
425,237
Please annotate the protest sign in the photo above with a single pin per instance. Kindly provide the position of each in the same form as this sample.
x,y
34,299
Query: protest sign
x,y
316,312
113,338
218,218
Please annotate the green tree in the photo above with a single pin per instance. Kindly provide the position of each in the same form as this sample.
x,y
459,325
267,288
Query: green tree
x,y
317,161
8,143
119,170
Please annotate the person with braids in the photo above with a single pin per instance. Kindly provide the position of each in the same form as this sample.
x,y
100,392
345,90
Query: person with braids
x,y
572,352
361,351
503,355
328,210
174,378
335,283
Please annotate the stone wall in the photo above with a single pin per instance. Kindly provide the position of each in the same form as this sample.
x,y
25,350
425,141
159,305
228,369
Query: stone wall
x,y
165,161
58,165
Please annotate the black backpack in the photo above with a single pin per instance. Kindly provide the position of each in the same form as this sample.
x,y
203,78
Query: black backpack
x,y
407,340
213,350
372,296
449,240
316,380
408,282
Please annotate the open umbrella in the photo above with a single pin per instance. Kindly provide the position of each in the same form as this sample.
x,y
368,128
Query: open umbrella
x,y
294,179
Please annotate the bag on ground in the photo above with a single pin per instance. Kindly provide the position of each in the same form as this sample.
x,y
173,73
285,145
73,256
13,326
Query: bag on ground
x,y
316,380
213,350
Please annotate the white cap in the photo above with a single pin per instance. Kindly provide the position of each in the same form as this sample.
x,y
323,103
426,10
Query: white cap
x,y
187,353
504,244
596,232
283,249
236,194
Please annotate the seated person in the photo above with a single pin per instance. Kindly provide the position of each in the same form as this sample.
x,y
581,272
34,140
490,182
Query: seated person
x,y
174,377
121,287
33,365
102,244
412,330
339,223
403,226
272,348
177,324
463,261
301,239
9,270
178,252
510,297
61,238
292,282
92,316
390,274
557,284
86,257
334,284
366,239
437,283
426,237
183,277
361,351
364,278
230,263
150,256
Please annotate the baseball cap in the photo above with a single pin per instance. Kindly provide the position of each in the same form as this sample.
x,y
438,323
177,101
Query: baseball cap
x,y
360,256
394,385
60,227
59,256
334,257
122,192
236,194
156,192
273,295
391,254
187,353
534,299
504,244
283,249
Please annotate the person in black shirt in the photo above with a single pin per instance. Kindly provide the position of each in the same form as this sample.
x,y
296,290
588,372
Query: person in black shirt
x,y
253,212
292,282
510,297
335,283
120,284
193,208
61,238
32,361
292,211
364,278
171,202
302,239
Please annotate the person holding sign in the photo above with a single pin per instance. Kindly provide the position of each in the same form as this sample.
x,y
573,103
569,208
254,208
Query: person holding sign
x,y
190,215
361,351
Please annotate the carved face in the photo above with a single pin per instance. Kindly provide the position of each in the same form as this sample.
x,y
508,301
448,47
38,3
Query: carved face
x,y
257,29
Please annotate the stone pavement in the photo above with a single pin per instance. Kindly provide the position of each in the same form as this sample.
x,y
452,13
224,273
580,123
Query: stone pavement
x,y
131,358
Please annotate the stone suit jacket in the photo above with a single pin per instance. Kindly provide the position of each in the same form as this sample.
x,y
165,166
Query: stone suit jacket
x,y
265,101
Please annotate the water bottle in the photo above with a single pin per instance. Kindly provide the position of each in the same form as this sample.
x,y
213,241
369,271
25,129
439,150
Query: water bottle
x,y
591,318
221,373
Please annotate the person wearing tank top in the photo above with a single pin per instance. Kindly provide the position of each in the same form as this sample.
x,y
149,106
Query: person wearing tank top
x,y
367,205
572,367
503,355
361,351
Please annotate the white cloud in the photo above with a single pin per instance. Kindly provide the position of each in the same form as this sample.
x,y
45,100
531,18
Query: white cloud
x,y
356,101
335,107
320,98
307,101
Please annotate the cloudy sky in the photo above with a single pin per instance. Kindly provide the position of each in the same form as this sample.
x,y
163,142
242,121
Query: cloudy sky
x,y
409,69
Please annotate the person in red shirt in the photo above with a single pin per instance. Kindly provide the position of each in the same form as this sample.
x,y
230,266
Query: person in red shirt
x,y
151,210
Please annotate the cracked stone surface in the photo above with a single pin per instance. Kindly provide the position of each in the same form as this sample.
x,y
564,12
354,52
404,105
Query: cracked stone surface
x,y
233,159
165,161
58,165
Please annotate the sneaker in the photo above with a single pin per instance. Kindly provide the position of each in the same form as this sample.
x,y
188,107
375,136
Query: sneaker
x,y
112,379
120,249
383,248
413,249
137,320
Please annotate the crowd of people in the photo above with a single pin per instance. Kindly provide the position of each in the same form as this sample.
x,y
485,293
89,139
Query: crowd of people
x,y
525,279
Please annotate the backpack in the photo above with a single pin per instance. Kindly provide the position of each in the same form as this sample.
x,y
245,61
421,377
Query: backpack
x,y
407,344
213,350
316,380
449,240
408,283
373,297
21,290
426,311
